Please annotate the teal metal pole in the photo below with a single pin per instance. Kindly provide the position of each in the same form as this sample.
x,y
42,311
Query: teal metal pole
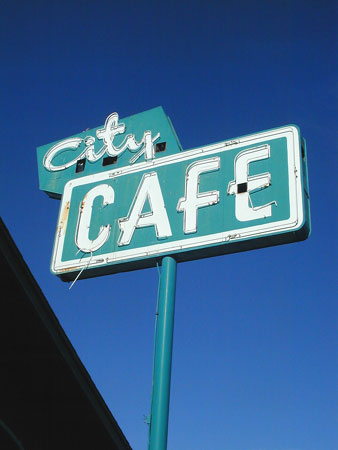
x,y
159,417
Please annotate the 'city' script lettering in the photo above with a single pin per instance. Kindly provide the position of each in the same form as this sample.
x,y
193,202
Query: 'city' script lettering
x,y
112,128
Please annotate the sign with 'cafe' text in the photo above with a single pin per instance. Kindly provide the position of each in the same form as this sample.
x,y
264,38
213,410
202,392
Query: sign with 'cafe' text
x,y
130,195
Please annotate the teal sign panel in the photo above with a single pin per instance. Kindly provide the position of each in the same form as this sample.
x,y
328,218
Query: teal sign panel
x,y
231,196
115,144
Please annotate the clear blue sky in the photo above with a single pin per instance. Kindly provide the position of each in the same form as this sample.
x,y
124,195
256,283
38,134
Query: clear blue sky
x,y
255,360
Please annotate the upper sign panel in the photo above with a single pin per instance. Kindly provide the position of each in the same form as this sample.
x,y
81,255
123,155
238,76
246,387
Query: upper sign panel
x,y
231,196
140,137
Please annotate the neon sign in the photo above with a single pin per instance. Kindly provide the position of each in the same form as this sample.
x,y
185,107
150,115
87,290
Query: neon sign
x,y
126,214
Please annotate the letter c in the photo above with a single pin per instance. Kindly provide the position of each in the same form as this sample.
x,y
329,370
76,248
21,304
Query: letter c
x,y
82,240
72,143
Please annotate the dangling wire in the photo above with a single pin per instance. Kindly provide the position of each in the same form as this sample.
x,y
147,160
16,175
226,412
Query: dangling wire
x,y
83,268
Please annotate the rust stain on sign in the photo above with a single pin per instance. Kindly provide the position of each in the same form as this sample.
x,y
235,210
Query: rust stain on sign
x,y
64,217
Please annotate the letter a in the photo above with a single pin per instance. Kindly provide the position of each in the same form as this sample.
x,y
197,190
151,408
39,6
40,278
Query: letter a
x,y
149,188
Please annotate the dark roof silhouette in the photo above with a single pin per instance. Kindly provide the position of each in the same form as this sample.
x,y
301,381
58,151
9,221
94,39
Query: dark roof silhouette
x,y
47,398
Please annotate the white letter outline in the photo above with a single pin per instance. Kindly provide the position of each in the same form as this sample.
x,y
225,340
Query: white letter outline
x,y
82,240
244,184
149,188
193,199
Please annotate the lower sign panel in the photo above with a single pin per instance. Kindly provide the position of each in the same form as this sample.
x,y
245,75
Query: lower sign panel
x,y
232,196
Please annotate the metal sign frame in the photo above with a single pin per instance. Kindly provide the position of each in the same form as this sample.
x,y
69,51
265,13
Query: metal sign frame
x,y
252,234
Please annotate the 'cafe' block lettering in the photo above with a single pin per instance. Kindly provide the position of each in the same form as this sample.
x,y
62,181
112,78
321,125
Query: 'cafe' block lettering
x,y
157,217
